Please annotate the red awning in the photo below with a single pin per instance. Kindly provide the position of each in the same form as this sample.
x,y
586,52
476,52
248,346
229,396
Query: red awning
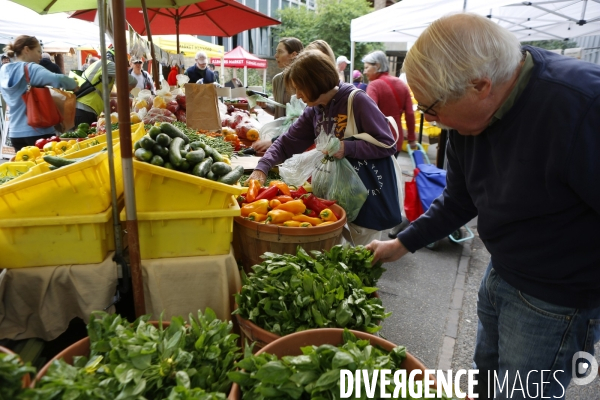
x,y
240,58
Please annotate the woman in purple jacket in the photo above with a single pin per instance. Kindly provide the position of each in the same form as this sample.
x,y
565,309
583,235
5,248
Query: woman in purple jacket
x,y
327,100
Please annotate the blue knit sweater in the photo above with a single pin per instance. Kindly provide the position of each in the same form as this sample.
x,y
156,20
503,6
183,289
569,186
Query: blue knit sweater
x,y
533,180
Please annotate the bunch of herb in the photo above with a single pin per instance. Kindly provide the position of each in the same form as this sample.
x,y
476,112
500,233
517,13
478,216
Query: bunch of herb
x,y
358,260
139,360
271,176
217,143
12,371
287,293
316,373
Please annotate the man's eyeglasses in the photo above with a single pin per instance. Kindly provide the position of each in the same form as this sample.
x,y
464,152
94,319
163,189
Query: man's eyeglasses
x,y
428,110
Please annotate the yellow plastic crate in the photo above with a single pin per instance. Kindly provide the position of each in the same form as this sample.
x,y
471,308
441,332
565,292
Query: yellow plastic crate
x,y
37,242
77,189
92,142
186,233
162,189
16,169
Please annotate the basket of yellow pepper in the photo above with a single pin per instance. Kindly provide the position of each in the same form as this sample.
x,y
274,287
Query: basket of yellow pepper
x,y
278,219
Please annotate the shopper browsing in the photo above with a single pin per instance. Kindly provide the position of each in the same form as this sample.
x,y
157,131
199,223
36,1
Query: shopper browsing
x,y
199,72
144,80
523,159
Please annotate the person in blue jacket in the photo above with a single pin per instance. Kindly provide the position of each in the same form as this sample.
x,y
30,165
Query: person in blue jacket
x,y
199,72
13,85
523,157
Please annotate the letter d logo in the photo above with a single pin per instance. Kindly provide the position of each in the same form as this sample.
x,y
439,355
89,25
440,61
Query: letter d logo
x,y
581,368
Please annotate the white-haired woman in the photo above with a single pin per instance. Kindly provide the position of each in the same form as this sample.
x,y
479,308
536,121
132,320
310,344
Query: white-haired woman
x,y
391,95
199,73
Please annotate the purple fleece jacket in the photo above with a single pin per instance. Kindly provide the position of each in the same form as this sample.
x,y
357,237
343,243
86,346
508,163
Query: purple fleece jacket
x,y
306,128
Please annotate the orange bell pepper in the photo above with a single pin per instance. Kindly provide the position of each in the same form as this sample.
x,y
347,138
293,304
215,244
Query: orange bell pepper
x,y
259,206
256,217
253,186
294,206
292,223
274,203
278,216
282,186
327,215
284,199
327,223
306,218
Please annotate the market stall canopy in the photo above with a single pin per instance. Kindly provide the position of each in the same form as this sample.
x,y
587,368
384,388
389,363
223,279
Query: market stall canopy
x,y
55,6
188,44
531,20
59,47
18,20
240,58
210,18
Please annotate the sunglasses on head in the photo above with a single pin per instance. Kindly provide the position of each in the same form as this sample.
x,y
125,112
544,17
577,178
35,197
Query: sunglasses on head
x,y
138,62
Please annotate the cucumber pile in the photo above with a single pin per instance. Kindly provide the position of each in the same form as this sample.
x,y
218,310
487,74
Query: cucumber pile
x,y
166,146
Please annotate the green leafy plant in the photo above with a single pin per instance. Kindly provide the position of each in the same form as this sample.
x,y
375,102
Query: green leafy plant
x,y
12,371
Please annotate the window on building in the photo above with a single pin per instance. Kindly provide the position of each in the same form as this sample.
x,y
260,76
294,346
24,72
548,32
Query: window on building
x,y
251,4
263,6
285,4
274,8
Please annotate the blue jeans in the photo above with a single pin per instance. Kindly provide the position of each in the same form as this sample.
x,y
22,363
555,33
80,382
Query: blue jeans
x,y
525,341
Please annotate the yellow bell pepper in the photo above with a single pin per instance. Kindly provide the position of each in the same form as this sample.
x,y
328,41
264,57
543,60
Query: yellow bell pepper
x,y
278,216
34,150
256,217
61,147
24,155
306,218
274,203
305,225
293,224
294,206
259,206
327,215
49,146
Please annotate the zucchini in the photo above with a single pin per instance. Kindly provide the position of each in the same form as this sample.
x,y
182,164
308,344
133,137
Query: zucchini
x,y
143,155
232,177
136,145
197,145
154,132
202,168
173,132
163,139
175,152
59,161
160,150
168,165
211,176
196,156
184,166
147,142
216,156
183,153
220,168
157,160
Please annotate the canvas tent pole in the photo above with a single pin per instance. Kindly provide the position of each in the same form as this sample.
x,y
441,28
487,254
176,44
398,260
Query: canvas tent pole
x,y
352,54
149,34
131,225
265,80
245,76
222,68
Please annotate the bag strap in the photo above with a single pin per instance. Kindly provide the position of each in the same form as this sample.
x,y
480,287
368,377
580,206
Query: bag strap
x,y
351,128
27,74
385,79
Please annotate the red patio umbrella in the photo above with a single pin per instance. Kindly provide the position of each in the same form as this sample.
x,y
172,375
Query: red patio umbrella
x,y
210,18
240,58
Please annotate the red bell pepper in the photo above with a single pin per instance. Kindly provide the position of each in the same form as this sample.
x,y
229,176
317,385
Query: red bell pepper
x,y
268,194
297,193
315,204
40,143
311,213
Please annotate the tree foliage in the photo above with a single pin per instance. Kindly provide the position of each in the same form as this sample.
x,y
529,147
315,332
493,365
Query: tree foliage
x,y
552,44
330,22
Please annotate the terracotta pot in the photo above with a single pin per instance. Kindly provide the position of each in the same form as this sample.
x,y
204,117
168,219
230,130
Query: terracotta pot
x,y
253,239
26,379
80,348
290,345
260,336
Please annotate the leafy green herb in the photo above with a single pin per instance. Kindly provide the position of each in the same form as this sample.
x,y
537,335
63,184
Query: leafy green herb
x,y
217,143
271,176
138,360
316,373
290,293
12,371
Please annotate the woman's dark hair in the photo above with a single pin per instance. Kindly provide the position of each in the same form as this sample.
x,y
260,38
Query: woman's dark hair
x,y
19,44
300,74
292,44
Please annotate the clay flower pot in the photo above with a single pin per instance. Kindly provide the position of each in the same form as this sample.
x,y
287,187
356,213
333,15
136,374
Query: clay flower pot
x,y
26,379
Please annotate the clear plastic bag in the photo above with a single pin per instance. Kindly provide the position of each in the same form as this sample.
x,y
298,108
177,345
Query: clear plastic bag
x,y
336,179
294,109
297,169
271,129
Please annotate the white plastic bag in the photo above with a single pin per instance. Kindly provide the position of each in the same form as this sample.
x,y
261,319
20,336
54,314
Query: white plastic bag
x,y
182,80
271,129
297,169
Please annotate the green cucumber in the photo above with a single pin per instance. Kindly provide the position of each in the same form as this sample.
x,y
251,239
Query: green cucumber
x,y
211,176
175,152
173,132
137,145
163,139
160,150
232,177
157,160
184,166
220,168
197,145
202,168
216,156
168,165
153,132
147,142
143,155
58,161
196,156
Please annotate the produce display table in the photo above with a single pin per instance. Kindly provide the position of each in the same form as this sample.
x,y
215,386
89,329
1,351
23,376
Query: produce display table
x,y
41,301
179,286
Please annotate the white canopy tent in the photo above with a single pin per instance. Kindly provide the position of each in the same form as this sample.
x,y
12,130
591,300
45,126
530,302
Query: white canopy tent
x,y
529,20
17,20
